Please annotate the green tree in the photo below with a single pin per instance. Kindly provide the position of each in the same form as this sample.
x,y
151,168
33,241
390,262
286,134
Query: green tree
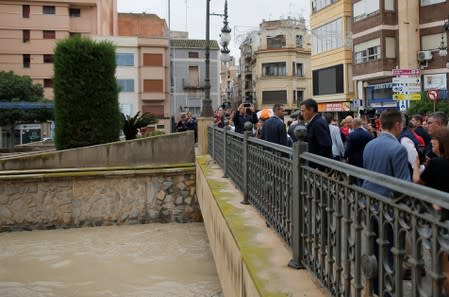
x,y
86,93
15,88
130,125
425,105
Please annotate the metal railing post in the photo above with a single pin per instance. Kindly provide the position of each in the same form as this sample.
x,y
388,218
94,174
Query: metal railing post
x,y
213,143
225,174
246,134
297,217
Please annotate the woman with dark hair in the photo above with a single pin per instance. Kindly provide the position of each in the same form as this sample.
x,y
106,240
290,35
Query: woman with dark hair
x,y
435,176
435,173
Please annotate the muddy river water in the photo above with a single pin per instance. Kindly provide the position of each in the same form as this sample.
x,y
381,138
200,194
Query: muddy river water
x,y
155,260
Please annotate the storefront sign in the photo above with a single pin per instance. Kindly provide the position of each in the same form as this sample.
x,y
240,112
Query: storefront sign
x,y
334,107
435,81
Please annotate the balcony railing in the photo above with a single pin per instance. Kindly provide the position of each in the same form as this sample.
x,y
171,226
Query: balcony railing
x,y
192,84
356,242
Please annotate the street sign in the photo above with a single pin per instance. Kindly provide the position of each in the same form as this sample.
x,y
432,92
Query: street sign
x,y
407,80
432,94
403,105
415,96
409,72
406,89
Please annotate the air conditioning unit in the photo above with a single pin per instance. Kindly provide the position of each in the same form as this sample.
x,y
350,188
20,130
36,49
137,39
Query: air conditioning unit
x,y
424,56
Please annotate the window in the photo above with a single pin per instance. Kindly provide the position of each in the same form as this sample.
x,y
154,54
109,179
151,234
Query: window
x,y
432,42
160,126
299,70
25,11
274,69
389,5
48,9
299,41
49,34
153,85
390,47
194,55
276,41
75,12
328,37
48,83
364,8
126,85
156,110
26,35
26,61
194,76
48,58
298,97
367,51
328,80
152,60
272,97
431,2
124,59
75,34
320,4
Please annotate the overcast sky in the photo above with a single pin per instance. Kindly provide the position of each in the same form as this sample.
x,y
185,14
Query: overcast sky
x,y
244,15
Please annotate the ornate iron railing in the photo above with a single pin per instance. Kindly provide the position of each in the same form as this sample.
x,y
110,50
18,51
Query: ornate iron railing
x,y
354,241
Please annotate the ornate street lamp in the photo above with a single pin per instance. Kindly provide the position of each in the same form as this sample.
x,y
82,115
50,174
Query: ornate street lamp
x,y
225,36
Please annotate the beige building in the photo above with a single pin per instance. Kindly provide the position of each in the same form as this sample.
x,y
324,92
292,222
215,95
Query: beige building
x,y
30,29
276,66
228,77
332,54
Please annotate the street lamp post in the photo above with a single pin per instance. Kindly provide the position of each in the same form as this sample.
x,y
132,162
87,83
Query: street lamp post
x,y
225,38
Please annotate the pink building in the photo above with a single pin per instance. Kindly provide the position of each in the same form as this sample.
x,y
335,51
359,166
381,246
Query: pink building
x,y
30,29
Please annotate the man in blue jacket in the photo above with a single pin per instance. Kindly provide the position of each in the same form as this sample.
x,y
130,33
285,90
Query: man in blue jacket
x,y
274,130
318,134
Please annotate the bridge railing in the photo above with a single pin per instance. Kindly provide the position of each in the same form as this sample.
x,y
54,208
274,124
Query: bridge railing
x,y
354,241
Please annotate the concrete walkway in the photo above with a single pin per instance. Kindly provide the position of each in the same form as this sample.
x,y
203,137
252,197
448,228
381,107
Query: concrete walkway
x,y
251,259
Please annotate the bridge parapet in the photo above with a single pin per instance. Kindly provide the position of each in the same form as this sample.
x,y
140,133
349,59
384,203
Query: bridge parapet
x,y
354,241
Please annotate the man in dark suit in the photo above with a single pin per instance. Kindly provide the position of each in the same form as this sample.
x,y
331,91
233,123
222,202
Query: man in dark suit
x,y
318,134
274,130
356,143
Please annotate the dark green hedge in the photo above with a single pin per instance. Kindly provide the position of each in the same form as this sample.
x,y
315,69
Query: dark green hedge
x,y
86,93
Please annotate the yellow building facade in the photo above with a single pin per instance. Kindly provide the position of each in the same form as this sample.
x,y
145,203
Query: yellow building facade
x,y
331,61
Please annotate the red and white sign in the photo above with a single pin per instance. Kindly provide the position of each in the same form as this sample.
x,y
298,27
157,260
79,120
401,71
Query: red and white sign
x,y
406,72
432,94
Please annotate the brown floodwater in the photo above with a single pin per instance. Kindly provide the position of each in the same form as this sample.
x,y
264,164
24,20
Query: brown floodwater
x,y
154,260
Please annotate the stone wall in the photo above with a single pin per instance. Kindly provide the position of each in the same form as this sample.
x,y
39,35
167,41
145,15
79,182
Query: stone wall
x,y
58,199
175,148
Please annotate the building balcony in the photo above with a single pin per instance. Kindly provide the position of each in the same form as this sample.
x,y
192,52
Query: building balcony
x,y
193,84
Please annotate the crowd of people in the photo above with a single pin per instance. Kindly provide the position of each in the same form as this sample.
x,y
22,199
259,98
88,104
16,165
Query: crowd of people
x,y
414,149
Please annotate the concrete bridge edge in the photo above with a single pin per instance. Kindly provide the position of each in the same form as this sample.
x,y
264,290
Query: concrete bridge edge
x,y
251,259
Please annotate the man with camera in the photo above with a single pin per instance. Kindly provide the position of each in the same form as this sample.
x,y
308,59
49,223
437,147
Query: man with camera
x,y
245,113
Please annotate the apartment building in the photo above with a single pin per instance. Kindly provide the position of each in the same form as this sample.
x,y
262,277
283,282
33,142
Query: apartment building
x,y
331,60
189,68
30,29
408,34
275,64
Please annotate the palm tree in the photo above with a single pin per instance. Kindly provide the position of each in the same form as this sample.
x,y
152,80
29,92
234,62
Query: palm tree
x,y
132,124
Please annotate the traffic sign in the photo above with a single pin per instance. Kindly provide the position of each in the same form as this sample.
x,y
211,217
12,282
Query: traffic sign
x,y
432,94
409,72
403,105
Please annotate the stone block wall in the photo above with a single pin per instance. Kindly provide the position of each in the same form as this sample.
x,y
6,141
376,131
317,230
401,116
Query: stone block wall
x,y
93,198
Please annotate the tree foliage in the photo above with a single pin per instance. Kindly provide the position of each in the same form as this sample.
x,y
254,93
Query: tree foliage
x,y
15,88
86,93
425,106
131,124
